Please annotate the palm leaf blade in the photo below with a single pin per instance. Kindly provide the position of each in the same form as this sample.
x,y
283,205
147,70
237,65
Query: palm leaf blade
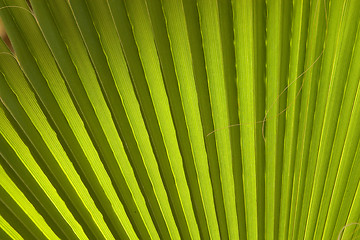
x,y
179,119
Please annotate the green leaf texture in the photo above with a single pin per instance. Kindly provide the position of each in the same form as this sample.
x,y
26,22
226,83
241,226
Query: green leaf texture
x,y
180,119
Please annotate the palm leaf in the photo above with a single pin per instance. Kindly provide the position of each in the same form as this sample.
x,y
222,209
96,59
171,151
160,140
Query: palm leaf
x,y
180,119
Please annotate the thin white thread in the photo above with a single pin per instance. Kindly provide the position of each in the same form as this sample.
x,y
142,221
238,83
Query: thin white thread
x,y
343,229
266,113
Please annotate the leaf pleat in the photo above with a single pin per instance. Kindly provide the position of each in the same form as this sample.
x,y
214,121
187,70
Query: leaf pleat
x,y
109,38
294,83
215,48
335,65
82,81
344,133
15,150
44,140
7,231
348,111
277,56
48,81
250,85
171,165
309,85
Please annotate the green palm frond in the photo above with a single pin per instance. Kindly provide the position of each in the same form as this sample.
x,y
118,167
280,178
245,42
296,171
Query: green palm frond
x,y
180,119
